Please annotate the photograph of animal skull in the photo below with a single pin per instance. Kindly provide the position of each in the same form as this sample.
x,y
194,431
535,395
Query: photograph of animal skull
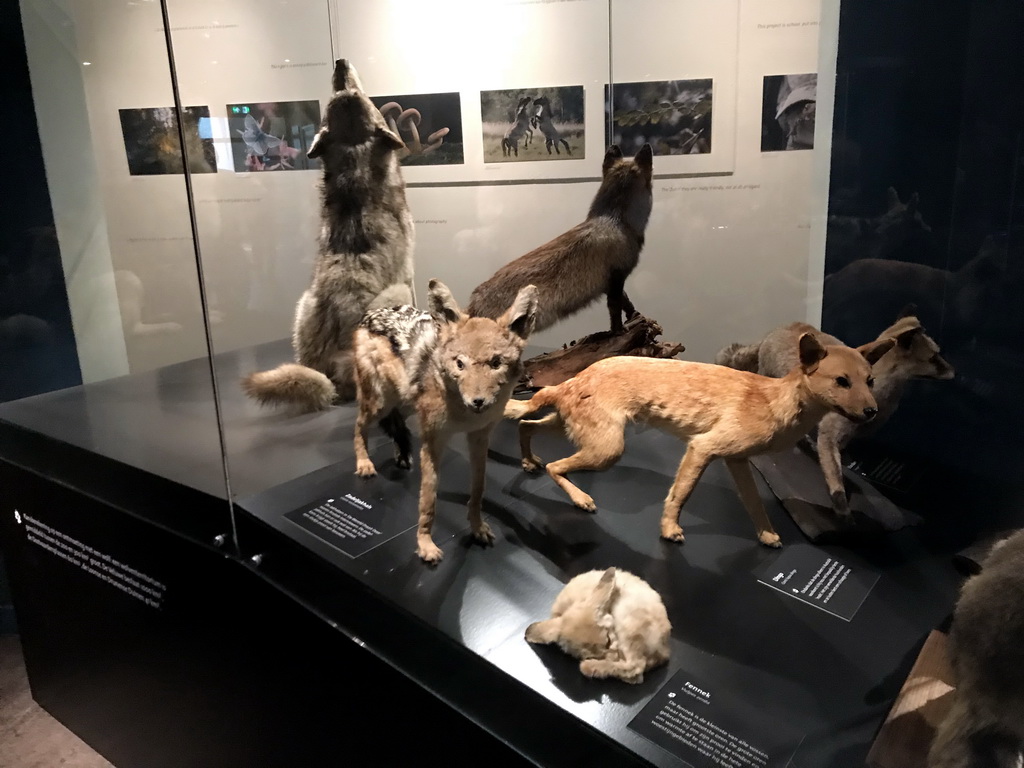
x,y
153,145
673,116
430,124
787,112
522,124
273,135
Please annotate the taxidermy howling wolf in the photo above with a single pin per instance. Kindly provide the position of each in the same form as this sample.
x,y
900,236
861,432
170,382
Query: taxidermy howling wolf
x,y
985,726
456,371
591,259
612,620
914,355
365,253
721,412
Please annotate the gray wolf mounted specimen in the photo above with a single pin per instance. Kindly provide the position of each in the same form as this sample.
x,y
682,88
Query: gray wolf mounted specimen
x,y
521,129
723,413
985,726
591,259
612,620
914,355
552,138
456,371
365,254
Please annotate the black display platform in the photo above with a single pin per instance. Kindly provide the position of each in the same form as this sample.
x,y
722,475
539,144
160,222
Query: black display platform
x,y
457,629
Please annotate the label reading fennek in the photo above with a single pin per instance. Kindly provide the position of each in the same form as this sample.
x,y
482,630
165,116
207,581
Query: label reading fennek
x,y
815,577
350,523
707,728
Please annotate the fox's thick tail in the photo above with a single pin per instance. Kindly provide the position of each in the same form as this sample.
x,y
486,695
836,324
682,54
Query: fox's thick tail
x,y
518,409
291,384
742,357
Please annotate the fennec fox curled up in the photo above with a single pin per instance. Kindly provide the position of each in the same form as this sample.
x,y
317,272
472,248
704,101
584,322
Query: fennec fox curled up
x,y
591,259
722,413
456,371
612,620
914,355
985,726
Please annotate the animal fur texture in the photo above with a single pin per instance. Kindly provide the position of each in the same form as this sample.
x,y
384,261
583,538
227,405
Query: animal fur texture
x,y
721,412
914,355
613,621
365,251
985,726
591,259
456,371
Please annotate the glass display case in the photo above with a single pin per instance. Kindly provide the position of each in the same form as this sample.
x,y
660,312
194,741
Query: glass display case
x,y
189,214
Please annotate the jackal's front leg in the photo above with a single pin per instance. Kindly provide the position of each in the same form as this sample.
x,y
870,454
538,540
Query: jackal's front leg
x,y
832,468
744,479
478,442
430,457
690,469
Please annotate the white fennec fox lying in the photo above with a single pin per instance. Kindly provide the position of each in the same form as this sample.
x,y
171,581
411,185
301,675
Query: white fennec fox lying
x,y
456,371
723,413
914,355
612,620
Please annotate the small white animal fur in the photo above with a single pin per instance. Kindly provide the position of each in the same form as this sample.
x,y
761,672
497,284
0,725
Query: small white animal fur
x,y
612,620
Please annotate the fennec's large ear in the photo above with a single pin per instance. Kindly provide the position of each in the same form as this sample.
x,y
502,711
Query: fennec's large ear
x,y
605,593
442,304
873,351
811,352
391,139
521,316
908,311
319,144
613,154
892,198
645,157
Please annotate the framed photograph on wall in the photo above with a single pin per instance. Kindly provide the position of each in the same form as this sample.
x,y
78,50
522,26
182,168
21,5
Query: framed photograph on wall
x,y
430,124
524,124
273,135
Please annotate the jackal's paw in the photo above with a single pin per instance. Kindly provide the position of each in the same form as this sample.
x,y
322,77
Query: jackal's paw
x,y
591,667
533,463
429,552
403,461
584,501
841,505
365,468
672,532
769,539
484,534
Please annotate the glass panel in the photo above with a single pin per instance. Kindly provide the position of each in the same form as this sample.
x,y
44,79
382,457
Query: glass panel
x,y
104,331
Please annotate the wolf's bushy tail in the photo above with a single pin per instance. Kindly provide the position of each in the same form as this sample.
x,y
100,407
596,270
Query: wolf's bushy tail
x,y
291,384
518,409
742,357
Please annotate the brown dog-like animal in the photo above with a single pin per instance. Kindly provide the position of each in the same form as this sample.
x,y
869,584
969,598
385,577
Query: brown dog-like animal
x,y
591,259
723,413
458,373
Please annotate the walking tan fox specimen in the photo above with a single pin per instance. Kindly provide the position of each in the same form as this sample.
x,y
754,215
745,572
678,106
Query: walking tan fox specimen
x,y
985,725
456,371
723,413
591,259
365,258
612,620
914,355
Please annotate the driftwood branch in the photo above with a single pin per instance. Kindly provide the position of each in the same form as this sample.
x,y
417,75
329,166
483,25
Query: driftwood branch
x,y
639,338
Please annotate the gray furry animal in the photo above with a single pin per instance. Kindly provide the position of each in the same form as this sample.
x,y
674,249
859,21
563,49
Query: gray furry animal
x,y
915,355
365,251
521,129
591,259
552,137
985,726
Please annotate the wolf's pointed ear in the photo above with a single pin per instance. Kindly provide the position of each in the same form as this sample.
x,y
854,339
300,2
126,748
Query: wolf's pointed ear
x,y
605,593
391,139
521,316
908,311
811,352
892,198
645,158
442,304
613,154
874,350
319,144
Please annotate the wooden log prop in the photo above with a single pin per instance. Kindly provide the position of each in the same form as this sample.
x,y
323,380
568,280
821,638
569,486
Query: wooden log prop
x,y
638,338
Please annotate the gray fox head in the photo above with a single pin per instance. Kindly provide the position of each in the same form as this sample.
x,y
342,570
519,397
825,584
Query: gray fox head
x,y
840,377
351,118
479,358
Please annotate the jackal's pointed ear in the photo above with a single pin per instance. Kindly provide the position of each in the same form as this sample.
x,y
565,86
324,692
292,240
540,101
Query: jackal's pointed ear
x,y
610,156
811,352
906,338
319,144
645,158
605,592
391,139
521,316
874,350
892,198
908,311
442,304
